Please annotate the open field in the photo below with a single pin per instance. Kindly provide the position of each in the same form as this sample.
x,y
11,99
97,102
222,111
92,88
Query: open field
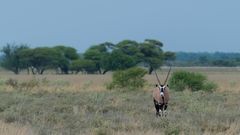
x,y
226,78
80,104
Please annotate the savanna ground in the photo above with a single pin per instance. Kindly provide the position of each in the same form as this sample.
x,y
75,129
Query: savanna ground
x,y
80,104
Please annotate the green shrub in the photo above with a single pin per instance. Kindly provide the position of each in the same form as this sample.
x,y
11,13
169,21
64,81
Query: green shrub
x,y
131,78
182,80
178,85
195,81
210,86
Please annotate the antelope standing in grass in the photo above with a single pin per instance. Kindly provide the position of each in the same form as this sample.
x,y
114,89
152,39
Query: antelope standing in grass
x,y
161,96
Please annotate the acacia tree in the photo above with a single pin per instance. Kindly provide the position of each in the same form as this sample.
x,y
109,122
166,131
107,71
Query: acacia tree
x,y
117,60
68,54
41,58
128,53
98,53
169,56
153,55
25,56
11,58
83,65
130,48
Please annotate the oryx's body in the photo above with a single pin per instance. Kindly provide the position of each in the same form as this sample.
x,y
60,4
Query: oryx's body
x,y
158,97
161,96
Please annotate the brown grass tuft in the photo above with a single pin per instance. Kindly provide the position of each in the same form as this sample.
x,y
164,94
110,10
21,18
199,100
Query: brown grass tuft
x,y
14,129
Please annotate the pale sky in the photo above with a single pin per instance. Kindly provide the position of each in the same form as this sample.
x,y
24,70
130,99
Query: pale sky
x,y
182,25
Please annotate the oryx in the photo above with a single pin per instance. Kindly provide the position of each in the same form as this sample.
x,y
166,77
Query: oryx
x,y
161,96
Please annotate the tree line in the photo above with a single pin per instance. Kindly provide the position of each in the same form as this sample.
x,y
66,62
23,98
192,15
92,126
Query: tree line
x,y
98,59
218,59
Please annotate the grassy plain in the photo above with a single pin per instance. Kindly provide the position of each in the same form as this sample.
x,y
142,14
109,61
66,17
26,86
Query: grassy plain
x,y
80,104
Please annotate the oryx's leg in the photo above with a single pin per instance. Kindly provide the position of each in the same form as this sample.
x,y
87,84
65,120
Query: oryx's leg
x,y
157,107
161,109
165,109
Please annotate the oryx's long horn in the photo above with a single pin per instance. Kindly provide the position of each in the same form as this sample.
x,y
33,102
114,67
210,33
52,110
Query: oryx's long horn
x,y
168,75
159,83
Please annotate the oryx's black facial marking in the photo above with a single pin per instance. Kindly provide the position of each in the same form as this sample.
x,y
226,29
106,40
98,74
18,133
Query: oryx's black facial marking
x,y
162,88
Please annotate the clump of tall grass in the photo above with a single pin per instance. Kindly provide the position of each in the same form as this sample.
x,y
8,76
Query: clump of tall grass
x,y
34,83
27,85
12,82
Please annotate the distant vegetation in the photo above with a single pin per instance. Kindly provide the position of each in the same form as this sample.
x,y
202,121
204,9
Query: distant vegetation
x,y
218,59
97,59
104,57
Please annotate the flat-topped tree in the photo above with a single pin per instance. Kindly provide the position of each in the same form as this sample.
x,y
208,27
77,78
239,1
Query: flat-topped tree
x,y
41,58
97,53
11,58
153,55
130,48
68,55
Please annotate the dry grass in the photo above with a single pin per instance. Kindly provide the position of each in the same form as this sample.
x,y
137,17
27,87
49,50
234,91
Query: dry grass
x,y
226,78
66,82
14,129
115,112
76,103
233,130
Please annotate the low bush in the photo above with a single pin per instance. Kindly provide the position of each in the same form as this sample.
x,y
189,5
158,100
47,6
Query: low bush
x,y
131,78
12,82
182,80
210,86
26,85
